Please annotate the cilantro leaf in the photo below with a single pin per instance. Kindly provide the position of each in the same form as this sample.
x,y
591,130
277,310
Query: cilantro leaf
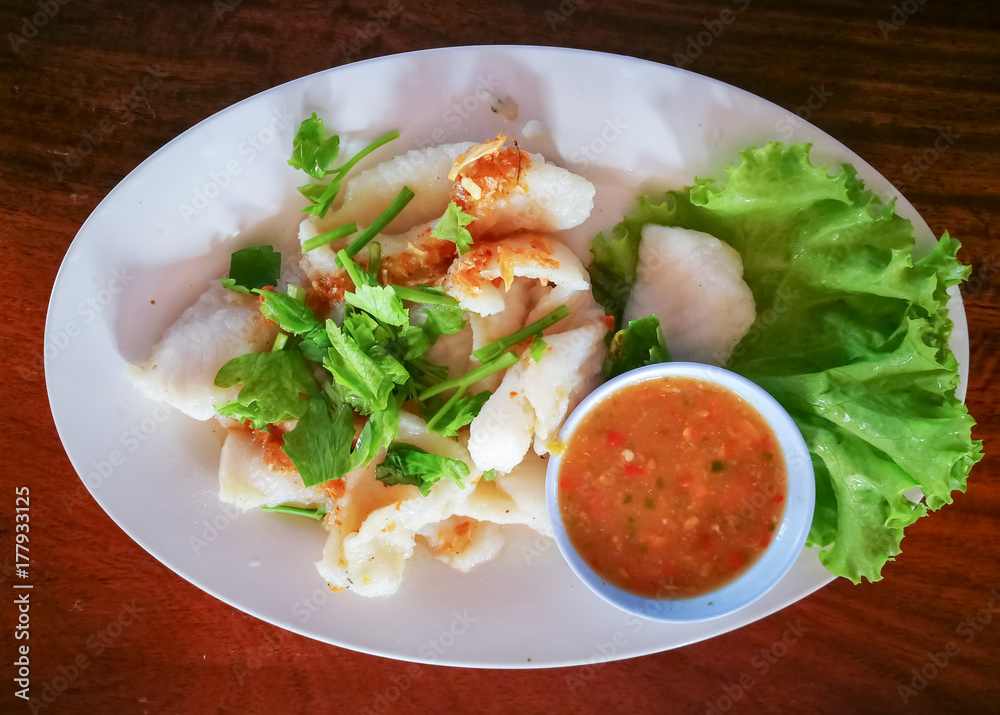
x,y
378,432
366,385
312,150
288,313
447,417
253,267
639,344
408,464
273,385
451,227
380,302
320,443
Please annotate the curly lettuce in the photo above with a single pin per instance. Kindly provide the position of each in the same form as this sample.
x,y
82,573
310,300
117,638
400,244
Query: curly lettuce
x,y
851,337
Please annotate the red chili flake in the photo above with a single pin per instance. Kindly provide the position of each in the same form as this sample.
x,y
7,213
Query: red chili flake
x,y
765,541
633,470
615,439
735,562
778,498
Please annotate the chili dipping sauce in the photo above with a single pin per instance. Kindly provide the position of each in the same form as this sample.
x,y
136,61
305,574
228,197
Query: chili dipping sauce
x,y
671,488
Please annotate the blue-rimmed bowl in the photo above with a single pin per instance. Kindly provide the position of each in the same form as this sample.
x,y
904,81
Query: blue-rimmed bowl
x,y
789,537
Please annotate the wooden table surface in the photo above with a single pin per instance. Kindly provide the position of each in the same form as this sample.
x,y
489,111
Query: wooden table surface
x,y
112,630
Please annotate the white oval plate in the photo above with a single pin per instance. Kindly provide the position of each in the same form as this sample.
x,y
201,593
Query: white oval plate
x,y
161,235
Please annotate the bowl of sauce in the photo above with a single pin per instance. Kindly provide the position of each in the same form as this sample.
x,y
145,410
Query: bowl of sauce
x,y
681,492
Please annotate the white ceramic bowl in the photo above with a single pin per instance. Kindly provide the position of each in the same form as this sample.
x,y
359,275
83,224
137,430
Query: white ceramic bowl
x,y
789,537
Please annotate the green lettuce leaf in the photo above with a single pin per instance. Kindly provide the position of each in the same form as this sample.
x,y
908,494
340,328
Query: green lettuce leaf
x,y
640,343
851,337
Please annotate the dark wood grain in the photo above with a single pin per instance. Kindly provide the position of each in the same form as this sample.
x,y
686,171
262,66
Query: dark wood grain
x,y
182,651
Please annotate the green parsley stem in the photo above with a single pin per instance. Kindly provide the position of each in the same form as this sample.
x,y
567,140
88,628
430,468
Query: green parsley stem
x,y
280,340
322,204
471,377
491,351
297,292
374,259
384,139
357,276
424,294
452,401
329,236
384,219
316,513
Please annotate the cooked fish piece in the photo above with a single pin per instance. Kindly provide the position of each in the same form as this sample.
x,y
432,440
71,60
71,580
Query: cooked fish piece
x,y
374,527
366,195
248,482
472,277
534,398
694,283
220,326
517,497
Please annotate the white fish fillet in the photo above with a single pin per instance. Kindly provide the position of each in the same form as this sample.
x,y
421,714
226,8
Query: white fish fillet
x,y
694,283
247,482
470,278
534,398
181,371
370,538
514,498
552,199
425,171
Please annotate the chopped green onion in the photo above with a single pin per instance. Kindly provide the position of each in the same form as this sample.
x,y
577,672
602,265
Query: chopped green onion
x,y
428,295
322,204
358,277
384,219
374,259
452,401
280,341
316,513
491,351
297,292
329,237
471,377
